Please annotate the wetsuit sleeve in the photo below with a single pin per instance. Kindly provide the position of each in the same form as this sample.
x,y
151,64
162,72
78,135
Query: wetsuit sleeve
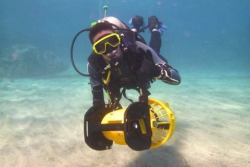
x,y
165,72
96,86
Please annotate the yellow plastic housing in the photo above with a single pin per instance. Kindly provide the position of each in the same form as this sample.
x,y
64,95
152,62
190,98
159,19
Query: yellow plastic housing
x,y
161,113
116,116
162,122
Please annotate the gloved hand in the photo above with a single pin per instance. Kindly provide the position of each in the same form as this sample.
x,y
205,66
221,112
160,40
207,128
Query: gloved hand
x,y
168,74
164,72
98,99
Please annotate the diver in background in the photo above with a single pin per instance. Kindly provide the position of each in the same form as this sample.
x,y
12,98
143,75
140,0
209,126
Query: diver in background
x,y
121,61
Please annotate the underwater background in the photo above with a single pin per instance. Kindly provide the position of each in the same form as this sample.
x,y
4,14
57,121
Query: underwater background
x,y
43,100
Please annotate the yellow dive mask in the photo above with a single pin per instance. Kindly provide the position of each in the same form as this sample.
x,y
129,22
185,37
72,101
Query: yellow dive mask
x,y
107,43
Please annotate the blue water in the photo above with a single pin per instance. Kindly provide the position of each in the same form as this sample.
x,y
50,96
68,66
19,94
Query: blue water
x,y
42,100
207,36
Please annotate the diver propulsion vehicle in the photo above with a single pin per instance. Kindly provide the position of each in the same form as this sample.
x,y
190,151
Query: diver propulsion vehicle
x,y
140,126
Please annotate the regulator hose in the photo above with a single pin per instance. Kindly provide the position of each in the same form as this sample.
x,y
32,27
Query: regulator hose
x,y
72,52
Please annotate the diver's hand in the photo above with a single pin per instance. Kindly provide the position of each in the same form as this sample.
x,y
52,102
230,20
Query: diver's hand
x,y
164,72
168,74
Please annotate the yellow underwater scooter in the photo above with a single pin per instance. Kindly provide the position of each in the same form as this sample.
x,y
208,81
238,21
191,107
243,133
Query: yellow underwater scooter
x,y
140,126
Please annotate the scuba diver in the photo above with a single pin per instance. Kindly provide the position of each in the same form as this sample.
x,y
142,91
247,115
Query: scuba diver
x,y
122,60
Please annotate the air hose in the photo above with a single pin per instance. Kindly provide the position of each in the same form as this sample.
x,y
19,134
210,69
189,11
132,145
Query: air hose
x,y
72,52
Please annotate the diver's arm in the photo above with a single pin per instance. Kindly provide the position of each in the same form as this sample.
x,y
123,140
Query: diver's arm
x,y
163,70
96,86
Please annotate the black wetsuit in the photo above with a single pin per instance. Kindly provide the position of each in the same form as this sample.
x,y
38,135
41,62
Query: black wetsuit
x,y
126,74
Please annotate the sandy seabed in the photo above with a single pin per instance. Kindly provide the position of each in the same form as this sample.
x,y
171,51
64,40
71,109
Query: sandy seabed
x,y
41,124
